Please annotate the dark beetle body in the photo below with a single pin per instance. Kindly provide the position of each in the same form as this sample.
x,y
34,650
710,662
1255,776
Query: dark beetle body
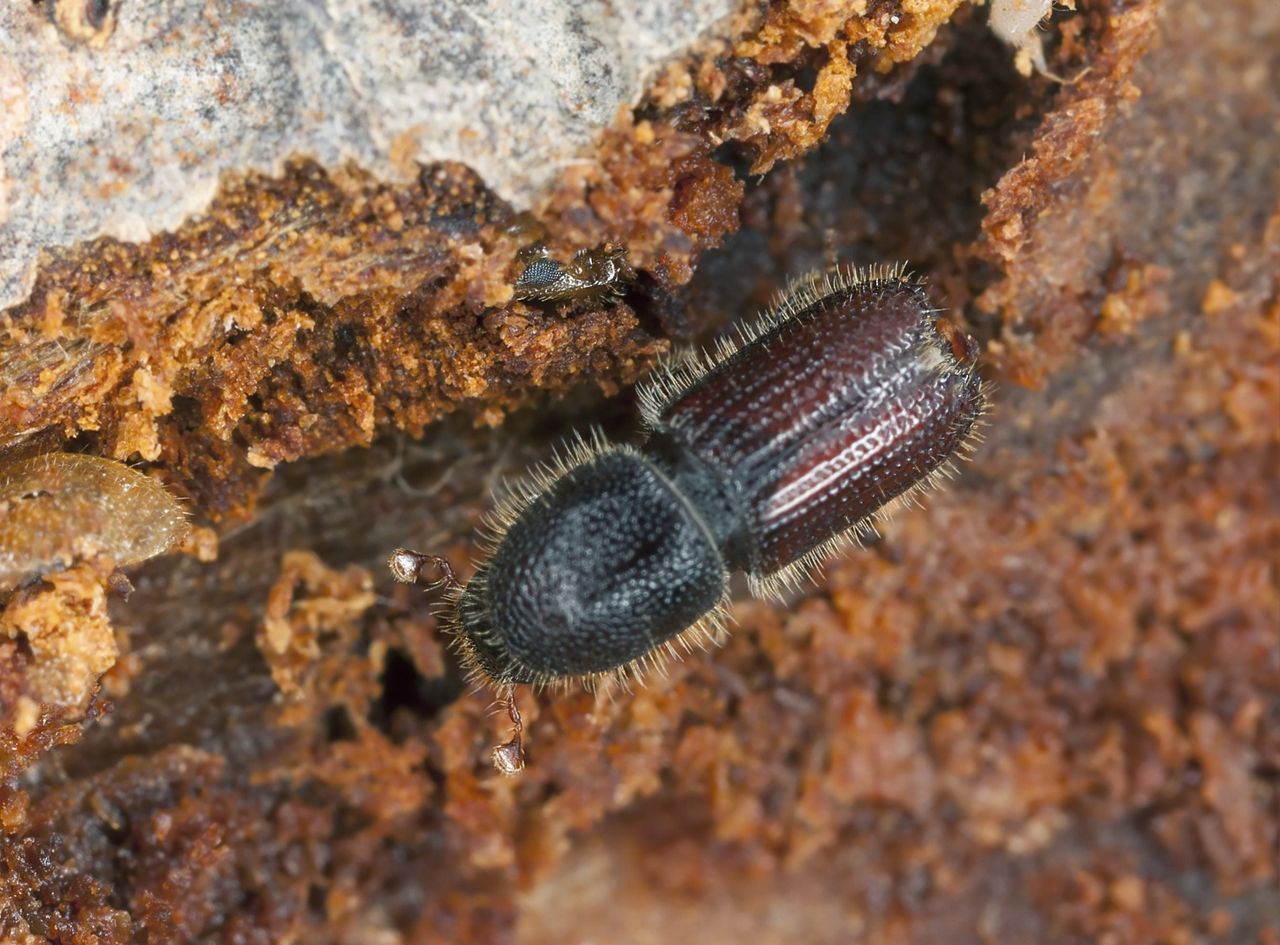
x,y
759,461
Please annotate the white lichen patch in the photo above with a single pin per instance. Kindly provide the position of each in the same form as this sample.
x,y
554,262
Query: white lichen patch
x,y
129,137
1017,22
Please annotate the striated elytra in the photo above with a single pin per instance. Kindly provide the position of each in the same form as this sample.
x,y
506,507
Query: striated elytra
x,y
762,457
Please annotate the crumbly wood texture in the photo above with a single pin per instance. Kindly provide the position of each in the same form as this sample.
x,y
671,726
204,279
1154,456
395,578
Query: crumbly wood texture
x,y
1047,708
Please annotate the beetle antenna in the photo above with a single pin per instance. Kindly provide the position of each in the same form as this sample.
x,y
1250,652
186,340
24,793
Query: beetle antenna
x,y
509,756
407,565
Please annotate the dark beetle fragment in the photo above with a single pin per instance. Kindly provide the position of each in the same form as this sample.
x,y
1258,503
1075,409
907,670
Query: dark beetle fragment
x,y
763,457
600,273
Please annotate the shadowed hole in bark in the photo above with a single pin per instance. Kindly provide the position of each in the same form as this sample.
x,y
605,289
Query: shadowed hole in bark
x,y
406,692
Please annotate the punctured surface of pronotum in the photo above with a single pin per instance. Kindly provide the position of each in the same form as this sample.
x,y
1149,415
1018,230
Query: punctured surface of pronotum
x,y
603,567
